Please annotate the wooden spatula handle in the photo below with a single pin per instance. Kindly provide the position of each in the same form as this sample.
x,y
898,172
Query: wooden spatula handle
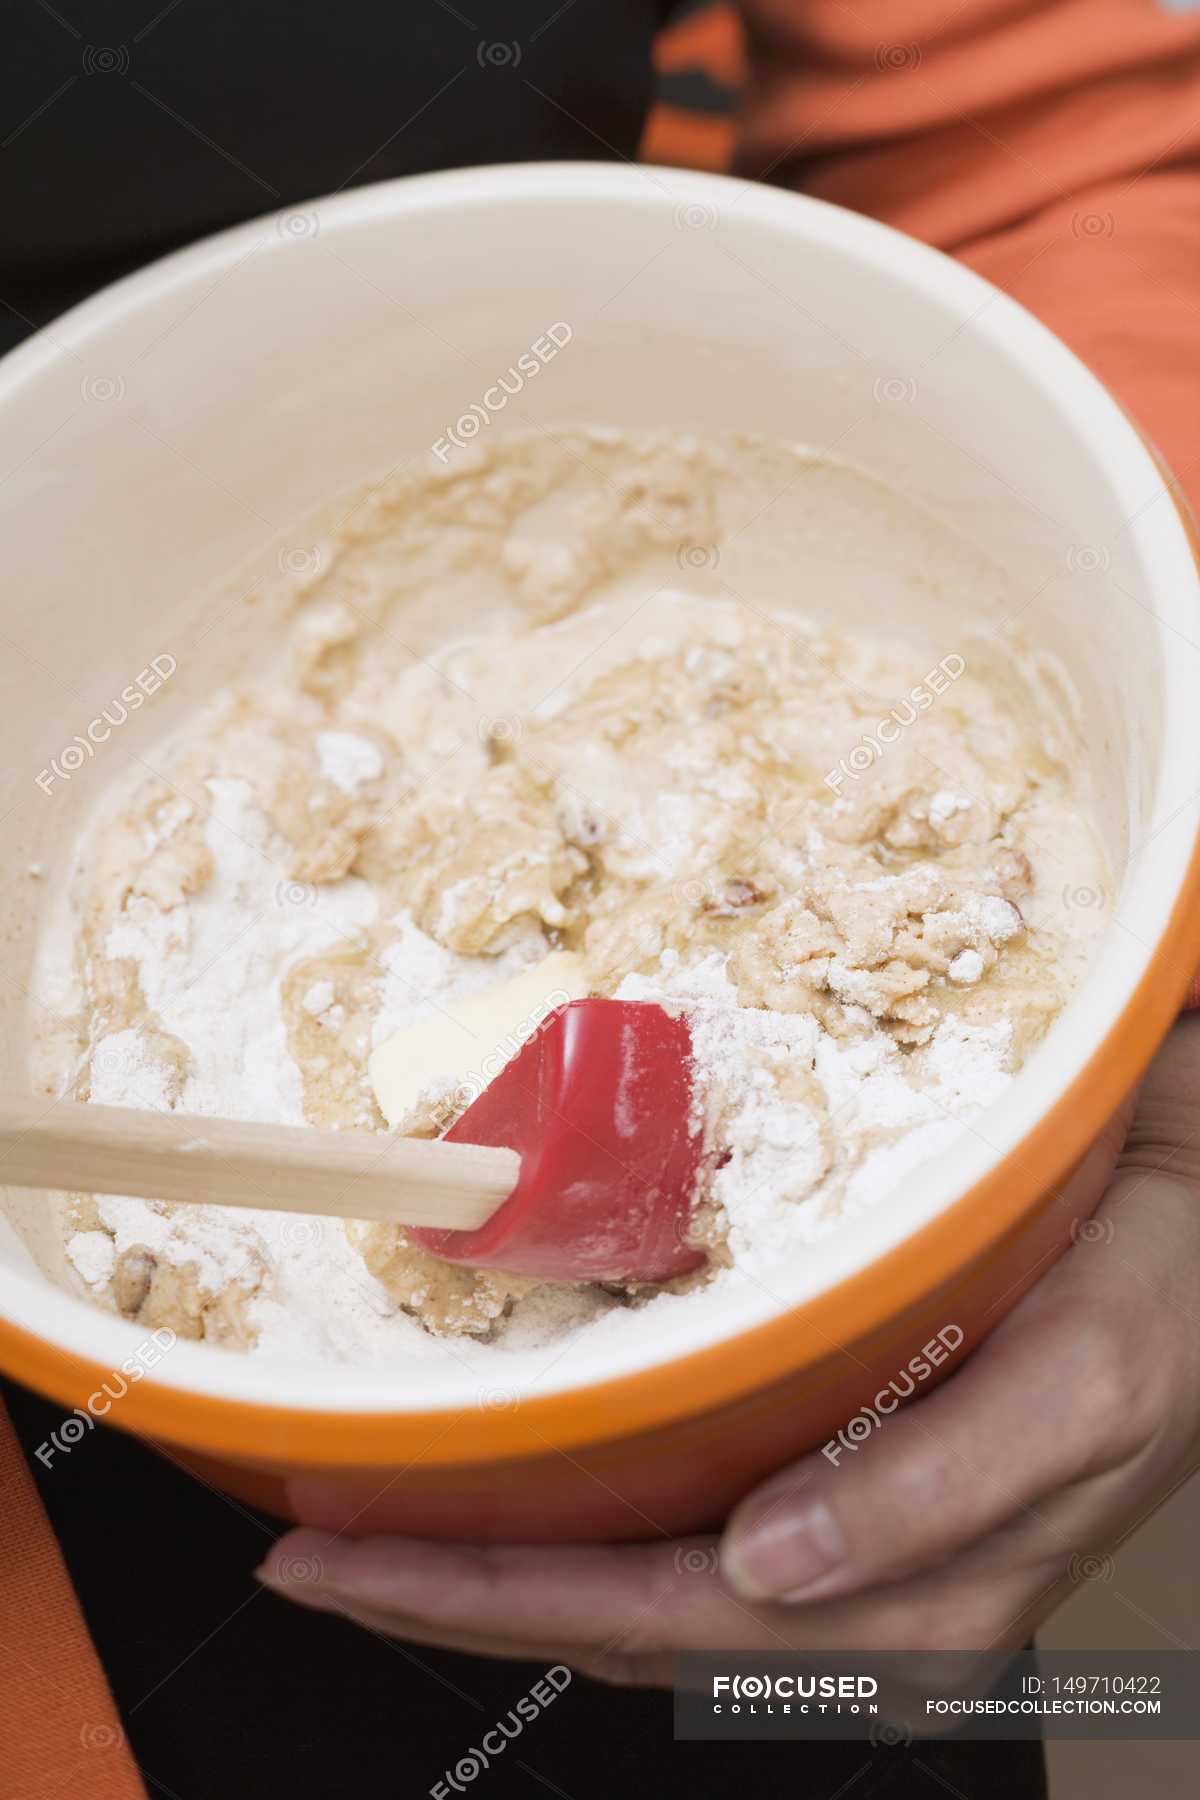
x,y
278,1168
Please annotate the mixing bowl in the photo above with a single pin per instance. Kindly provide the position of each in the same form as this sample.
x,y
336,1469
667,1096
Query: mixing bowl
x,y
182,423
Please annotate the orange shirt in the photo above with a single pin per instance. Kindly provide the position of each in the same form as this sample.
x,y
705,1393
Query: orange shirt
x,y
1054,145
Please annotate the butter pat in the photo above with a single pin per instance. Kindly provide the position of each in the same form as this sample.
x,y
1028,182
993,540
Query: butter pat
x,y
456,1051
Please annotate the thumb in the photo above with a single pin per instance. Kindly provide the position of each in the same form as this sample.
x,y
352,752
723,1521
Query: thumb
x,y
933,1479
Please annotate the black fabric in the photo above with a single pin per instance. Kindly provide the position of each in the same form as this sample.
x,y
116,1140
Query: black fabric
x,y
128,128
229,1693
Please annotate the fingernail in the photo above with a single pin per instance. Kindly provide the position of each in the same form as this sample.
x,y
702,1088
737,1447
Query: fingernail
x,y
303,1559
791,1554
311,1594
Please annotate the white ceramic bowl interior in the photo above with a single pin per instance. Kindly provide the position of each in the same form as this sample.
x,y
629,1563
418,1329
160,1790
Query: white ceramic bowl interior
x,y
180,424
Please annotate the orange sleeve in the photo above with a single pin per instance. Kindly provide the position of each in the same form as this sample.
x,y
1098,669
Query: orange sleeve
x,y
61,1731
1054,145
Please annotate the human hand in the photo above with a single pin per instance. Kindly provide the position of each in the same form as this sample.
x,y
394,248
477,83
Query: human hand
x,y
959,1525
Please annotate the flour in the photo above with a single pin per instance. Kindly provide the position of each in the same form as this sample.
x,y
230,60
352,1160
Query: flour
x,y
93,1253
125,1071
348,760
945,804
420,975
813,1127
211,970
212,973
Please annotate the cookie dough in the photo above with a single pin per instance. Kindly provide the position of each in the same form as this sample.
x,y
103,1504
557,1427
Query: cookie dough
x,y
686,788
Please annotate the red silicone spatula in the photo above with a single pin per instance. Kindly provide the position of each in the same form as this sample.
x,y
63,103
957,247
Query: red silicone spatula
x,y
598,1104
578,1162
